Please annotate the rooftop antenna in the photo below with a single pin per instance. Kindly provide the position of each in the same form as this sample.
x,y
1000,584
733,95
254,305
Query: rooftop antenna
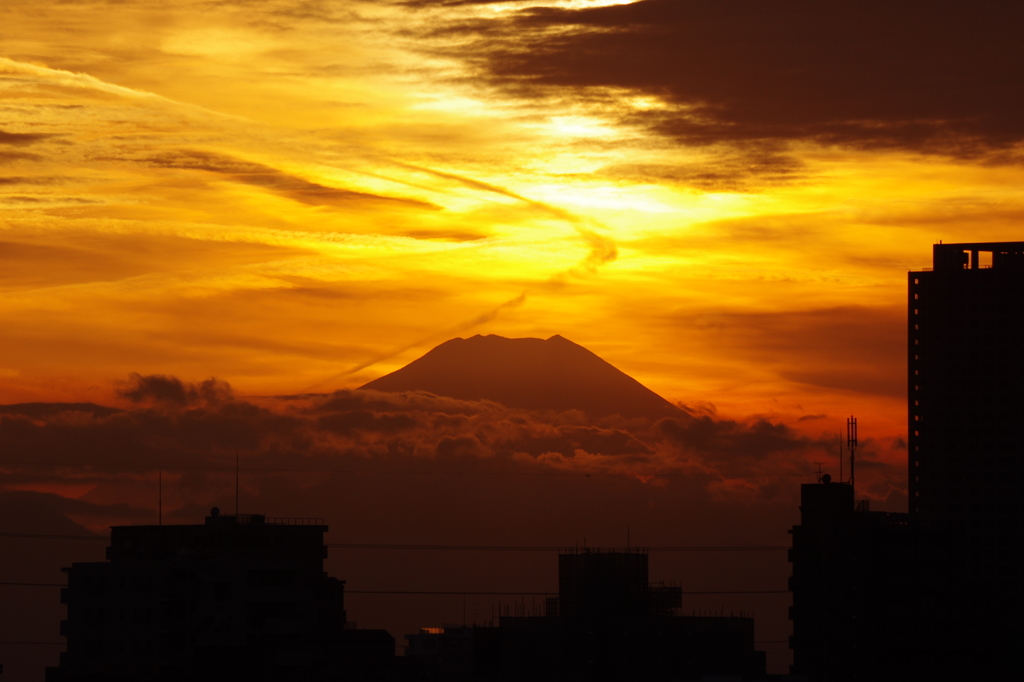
x,y
851,442
819,472
236,482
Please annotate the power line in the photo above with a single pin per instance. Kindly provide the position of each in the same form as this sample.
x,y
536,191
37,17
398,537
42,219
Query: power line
x,y
741,592
456,548
767,641
529,548
35,584
251,469
412,472
42,536
535,594
464,592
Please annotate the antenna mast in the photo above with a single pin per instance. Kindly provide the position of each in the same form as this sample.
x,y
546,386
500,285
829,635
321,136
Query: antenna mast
x,y
851,442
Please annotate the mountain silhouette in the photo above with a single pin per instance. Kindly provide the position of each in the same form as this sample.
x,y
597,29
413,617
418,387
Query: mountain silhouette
x,y
535,374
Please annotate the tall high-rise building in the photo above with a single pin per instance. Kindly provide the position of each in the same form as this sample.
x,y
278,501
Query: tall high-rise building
x,y
934,594
966,406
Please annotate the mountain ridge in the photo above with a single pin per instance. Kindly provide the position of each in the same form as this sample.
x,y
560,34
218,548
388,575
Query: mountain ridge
x,y
529,373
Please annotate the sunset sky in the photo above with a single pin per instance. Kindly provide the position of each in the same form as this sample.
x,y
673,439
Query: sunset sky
x,y
722,199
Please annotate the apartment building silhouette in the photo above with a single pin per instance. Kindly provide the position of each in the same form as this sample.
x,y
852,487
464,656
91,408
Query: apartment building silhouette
x,y
966,404
238,597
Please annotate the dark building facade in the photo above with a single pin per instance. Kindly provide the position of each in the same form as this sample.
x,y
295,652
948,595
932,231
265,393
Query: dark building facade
x,y
935,594
876,595
966,405
857,601
966,454
239,597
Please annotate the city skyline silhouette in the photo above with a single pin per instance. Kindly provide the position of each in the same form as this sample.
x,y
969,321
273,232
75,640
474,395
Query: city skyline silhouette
x,y
477,281
960,581
721,598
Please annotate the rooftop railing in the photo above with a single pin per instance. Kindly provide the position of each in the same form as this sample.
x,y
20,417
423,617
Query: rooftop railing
x,y
293,521
260,519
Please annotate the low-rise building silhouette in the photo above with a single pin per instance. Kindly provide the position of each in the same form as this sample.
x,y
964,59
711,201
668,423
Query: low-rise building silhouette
x,y
856,596
607,623
452,653
238,597
875,597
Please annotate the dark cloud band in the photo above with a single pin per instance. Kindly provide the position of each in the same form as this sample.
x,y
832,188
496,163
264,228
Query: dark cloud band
x,y
921,76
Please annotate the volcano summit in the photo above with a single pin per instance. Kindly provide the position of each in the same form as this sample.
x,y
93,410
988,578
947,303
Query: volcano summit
x,y
534,374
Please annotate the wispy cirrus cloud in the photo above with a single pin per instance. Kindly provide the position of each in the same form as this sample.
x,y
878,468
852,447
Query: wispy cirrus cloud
x,y
272,179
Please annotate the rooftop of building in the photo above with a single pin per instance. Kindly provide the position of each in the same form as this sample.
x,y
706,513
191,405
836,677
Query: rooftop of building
x,y
977,256
248,535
